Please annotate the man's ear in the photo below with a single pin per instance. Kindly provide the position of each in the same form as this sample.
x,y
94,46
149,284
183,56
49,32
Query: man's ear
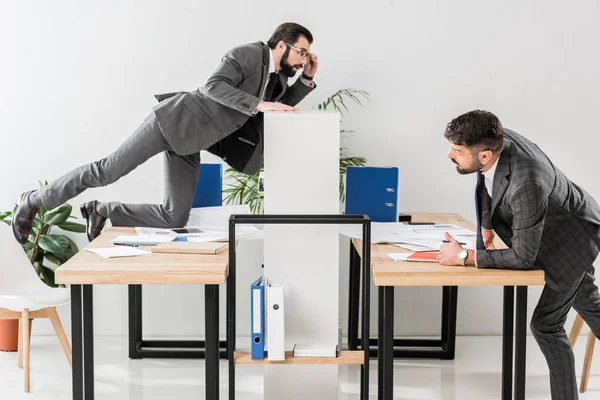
x,y
281,46
484,156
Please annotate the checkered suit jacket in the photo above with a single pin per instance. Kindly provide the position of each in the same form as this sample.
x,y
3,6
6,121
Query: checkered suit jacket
x,y
545,219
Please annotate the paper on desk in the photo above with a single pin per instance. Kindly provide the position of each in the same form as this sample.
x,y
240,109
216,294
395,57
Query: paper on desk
x,y
419,245
400,256
380,231
432,230
139,240
120,251
144,231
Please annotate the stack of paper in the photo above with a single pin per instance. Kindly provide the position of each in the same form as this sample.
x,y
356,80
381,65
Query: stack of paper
x,y
315,350
112,252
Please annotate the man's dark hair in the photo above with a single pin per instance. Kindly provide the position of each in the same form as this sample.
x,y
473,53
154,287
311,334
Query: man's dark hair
x,y
289,33
478,130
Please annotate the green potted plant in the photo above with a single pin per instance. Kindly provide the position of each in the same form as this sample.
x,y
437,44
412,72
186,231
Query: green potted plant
x,y
46,250
244,189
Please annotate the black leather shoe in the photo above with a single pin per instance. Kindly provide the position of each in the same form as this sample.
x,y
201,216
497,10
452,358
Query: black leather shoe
x,y
22,218
94,221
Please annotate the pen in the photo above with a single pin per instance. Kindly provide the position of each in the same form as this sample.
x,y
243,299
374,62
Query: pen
x,y
445,241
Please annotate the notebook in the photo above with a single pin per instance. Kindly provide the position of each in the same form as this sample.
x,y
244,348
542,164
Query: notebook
x,y
190,247
423,256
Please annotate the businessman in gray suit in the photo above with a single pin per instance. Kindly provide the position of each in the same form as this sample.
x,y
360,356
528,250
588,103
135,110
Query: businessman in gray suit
x,y
546,221
225,117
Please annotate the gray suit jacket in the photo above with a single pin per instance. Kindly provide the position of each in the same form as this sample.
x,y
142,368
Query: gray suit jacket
x,y
545,219
197,120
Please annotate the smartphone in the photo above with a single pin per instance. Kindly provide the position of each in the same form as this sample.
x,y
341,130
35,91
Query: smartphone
x,y
186,230
421,223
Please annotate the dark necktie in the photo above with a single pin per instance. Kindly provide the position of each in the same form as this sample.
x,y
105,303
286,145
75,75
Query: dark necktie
x,y
479,193
272,81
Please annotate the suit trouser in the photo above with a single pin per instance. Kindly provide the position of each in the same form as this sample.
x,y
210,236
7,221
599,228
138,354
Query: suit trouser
x,y
180,175
547,326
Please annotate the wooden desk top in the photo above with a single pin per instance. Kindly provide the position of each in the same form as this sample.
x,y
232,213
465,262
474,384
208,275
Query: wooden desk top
x,y
89,268
387,272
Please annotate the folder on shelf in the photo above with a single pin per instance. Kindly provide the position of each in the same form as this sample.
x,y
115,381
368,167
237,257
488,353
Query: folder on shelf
x,y
209,187
257,317
275,322
372,191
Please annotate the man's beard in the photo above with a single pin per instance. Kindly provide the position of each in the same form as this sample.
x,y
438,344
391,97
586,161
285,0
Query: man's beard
x,y
286,68
466,171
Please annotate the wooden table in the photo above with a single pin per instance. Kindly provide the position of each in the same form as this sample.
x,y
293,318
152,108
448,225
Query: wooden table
x,y
387,274
86,269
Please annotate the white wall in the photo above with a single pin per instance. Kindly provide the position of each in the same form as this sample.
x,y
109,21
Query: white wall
x,y
78,77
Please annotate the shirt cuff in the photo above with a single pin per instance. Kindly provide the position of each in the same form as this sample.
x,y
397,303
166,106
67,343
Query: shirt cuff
x,y
475,256
312,84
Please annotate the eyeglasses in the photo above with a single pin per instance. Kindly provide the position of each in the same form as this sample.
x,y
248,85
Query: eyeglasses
x,y
301,52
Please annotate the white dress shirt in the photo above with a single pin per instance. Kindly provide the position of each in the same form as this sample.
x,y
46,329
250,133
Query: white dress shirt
x,y
488,179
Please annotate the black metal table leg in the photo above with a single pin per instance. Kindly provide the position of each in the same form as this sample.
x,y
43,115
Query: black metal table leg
x,y
381,357
366,307
386,345
353,298
88,342
520,342
211,301
449,305
507,342
140,348
135,321
443,348
77,341
231,310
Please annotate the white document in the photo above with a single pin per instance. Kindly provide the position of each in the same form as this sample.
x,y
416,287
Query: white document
x,y
135,240
143,231
400,256
120,251
419,245
275,322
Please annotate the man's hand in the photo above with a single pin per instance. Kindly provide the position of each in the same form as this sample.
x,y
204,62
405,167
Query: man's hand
x,y
488,239
449,251
311,66
269,106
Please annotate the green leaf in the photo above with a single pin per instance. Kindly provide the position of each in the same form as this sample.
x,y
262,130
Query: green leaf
x,y
58,215
72,246
53,259
54,243
47,275
72,227
5,214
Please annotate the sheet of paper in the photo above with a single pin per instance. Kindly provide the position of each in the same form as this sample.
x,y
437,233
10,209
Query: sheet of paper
x,y
419,247
143,231
118,251
141,240
400,256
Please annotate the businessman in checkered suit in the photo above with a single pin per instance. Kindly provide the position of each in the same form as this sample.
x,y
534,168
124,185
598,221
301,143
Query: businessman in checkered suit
x,y
545,220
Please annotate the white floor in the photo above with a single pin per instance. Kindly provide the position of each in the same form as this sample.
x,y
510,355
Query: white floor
x,y
474,374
